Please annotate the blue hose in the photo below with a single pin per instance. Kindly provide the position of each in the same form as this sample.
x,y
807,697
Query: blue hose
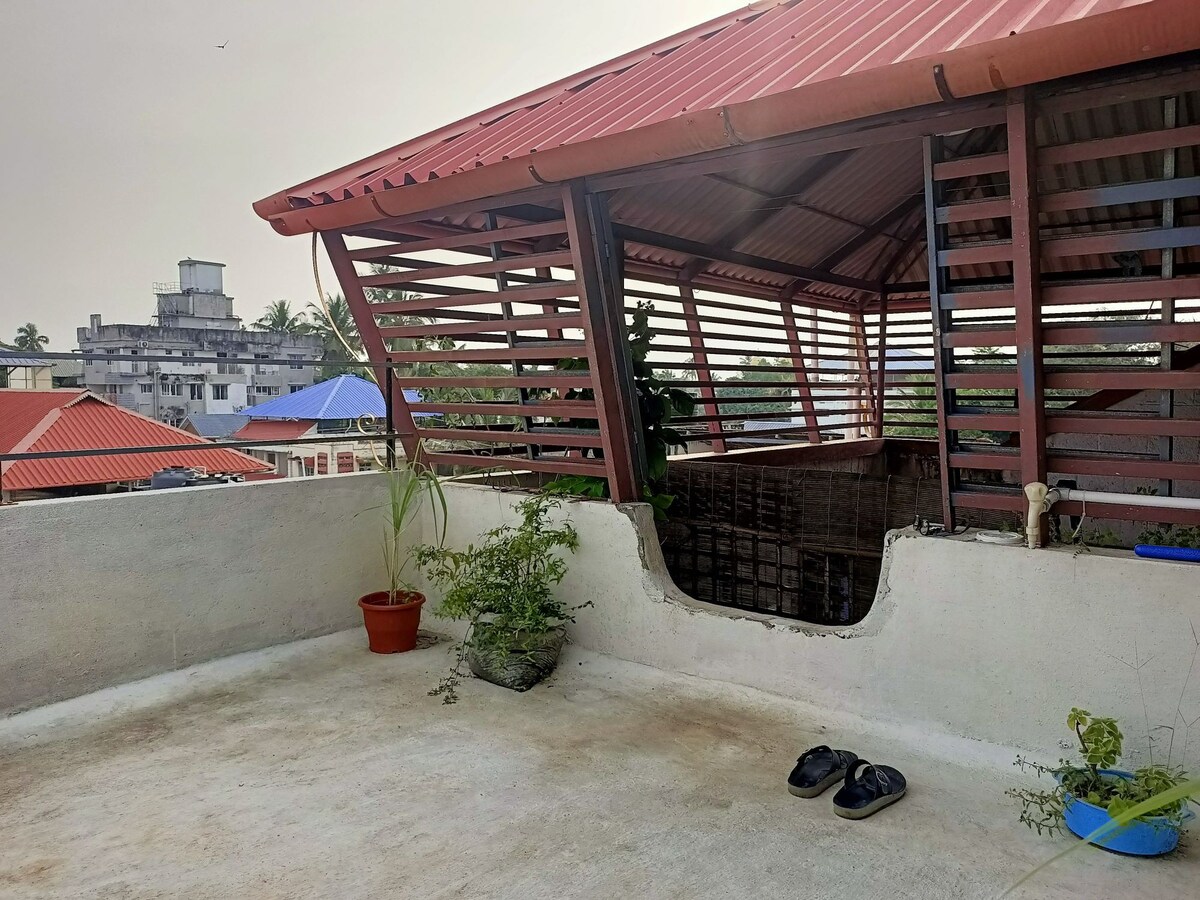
x,y
1181,554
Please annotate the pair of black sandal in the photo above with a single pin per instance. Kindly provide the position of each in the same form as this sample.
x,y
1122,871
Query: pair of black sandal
x,y
866,788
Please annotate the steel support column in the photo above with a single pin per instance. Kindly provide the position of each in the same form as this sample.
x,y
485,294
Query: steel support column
x,y
881,364
700,358
943,356
592,250
803,387
1027,300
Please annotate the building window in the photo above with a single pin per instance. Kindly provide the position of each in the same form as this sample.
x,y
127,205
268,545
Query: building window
x,y
224,368
294,357
187,353
174,389
112,351
265,390
146,387
295,388
220,392
196,391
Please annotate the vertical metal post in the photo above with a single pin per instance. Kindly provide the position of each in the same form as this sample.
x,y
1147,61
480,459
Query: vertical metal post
x,y
387,398
510,337
401,420
865,398
943,357
605,327
1166,397
803,390
700,358
1027,299
881,364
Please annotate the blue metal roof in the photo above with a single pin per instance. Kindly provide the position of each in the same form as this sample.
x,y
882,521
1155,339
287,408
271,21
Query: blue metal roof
x,y
216,425
343,397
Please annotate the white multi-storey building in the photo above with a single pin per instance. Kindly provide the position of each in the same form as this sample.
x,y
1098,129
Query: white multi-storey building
x,y
194,318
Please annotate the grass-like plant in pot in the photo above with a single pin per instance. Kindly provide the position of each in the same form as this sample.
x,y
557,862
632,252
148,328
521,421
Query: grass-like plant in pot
x,y
503,588
393,616
1090,794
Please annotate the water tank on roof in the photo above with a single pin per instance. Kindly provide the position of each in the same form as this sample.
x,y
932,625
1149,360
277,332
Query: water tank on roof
x,y
172,477
181,476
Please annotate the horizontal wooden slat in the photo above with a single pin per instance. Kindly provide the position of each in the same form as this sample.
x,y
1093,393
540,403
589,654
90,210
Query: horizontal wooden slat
x,y
1120,333
976,254
955,300
980,338
548,351
506,382
1118,291
516,323
555,465
557,439
578,409
1118,467
960,380
974,210
1120,242
985,422
534,294
1119,380
489,267
1057,423
449,242
1122,145
1018,504
980,164
1105,466
1120,194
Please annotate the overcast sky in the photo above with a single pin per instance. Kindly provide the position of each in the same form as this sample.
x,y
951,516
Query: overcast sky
x,y
128,141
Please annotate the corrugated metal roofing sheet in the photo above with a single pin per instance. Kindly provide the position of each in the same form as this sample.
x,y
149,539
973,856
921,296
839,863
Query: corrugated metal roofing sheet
x,y
86,422
215,425
273,429
343,397
21,410
748,54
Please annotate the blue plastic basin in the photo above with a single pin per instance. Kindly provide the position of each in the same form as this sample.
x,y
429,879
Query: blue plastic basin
x,y
1142,837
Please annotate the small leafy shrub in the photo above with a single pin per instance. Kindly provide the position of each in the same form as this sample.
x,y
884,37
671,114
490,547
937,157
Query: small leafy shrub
x,y
1171,536
504,587
1100,746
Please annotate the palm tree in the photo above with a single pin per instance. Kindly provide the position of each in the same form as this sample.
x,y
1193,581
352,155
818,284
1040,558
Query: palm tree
x,y
279,318
29,338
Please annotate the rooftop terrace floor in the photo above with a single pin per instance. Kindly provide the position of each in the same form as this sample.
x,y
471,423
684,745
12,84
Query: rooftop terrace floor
x,y
320,770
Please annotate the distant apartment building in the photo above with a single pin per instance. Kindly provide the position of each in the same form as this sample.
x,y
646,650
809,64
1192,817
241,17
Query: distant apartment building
x,y
194,319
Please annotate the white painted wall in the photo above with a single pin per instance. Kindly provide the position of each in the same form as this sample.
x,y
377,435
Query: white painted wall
x,y
979,641
102,590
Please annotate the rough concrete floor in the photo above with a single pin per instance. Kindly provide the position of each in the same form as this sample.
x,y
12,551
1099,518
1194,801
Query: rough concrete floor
x,y
319,770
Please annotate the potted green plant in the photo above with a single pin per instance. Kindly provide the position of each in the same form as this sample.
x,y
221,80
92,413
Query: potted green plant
x,y
1091,794
393,616
504,590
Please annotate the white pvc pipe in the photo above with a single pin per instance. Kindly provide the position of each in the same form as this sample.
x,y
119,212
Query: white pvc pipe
x,y
1127,499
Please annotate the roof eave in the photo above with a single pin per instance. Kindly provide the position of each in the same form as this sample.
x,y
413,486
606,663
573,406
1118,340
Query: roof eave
x,y
1153,29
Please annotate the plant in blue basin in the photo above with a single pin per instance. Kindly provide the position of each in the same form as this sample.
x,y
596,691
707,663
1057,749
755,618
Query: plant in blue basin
x,y
1092,793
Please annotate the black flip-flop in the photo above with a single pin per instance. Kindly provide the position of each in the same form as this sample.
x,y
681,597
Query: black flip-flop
x,y
866,794
818,769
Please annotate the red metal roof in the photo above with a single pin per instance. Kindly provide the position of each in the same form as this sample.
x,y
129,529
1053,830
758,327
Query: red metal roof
x,y
21,410
79,420
712,81
272,429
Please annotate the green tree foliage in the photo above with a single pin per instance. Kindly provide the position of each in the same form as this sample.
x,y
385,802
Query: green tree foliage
x,y
280,319
29,338
737,386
